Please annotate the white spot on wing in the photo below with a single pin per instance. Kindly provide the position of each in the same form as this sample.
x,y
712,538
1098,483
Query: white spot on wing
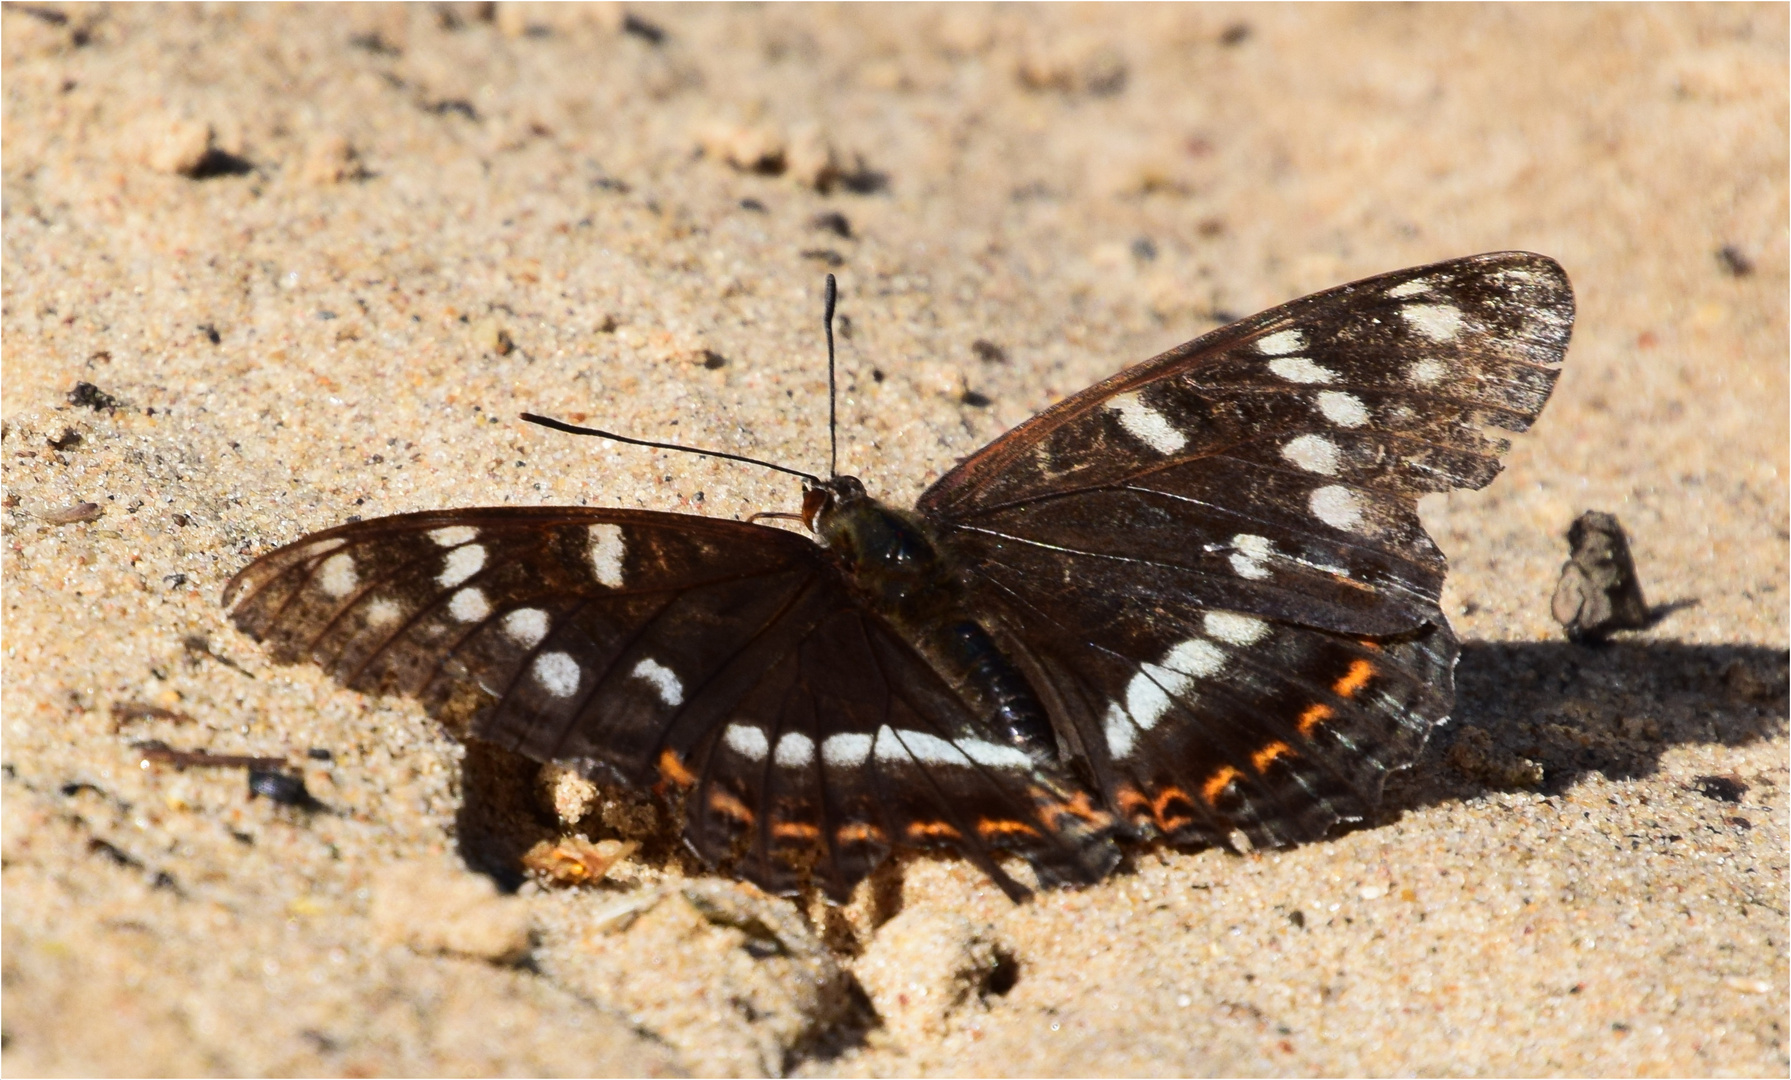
x,y
1425,372
1197,657
1248,553
1344,410
1121,733
461,563
1301,370
747,741
470,605
1281,343
794,750
1153,691
1146,424
454,535
846,751
1438,322
1234,629
337,576
606,554
1411,288
1336,506
1314,453
919,746
994,754
526,626
383,612
557,673
665,681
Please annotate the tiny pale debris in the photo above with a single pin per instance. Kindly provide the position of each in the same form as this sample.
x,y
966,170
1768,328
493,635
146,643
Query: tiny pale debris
x,y
174,145
756,148
435,908
491,336
568,793
1748,986
924,966
812,159
71,515
1372,892
573,860
330,159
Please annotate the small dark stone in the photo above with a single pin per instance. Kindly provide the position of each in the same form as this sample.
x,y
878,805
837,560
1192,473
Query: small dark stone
x,y
90,396
641,28
221,163
754,205
834,222
713,360
1235,34
975,399
452,105
1144,250
282,787
374,44
1734,261
825,256
318,753
210,332
69,439
1297,917
1721,788
1598,592
116,855
988,352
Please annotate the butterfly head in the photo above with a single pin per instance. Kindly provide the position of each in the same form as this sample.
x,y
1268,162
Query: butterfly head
x,y
823,500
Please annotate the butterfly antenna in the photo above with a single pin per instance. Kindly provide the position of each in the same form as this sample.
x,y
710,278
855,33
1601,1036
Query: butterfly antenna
x,y
830,295
572,429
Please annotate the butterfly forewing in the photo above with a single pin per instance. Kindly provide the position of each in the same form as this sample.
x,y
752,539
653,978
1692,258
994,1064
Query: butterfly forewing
x,y
1214,562
725,662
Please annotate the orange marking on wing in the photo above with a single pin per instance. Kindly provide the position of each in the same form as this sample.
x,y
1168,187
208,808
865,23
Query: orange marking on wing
x,y
1078,806
1131,801
1217,783
933,830
724,803
1367,643
1160,808
993,827
795,830
1360,671
671,767
860,832
1314,716
1265,757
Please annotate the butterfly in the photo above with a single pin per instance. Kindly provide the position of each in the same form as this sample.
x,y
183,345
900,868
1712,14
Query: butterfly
x,y
1193,602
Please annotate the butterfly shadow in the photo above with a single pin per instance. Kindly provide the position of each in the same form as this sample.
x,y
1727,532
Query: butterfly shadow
x,y
1542,715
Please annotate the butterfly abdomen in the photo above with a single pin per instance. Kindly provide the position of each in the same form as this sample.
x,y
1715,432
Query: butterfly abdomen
x,y
898,567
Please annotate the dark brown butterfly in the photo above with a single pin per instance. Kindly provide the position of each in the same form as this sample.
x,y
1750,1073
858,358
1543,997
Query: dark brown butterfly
x,y
1193,601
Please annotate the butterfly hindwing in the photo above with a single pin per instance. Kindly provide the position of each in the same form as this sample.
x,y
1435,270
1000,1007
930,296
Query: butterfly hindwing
x,y
725,662
1213,560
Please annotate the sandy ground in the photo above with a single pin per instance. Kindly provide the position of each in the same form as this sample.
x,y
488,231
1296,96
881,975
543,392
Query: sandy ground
x,y
319,258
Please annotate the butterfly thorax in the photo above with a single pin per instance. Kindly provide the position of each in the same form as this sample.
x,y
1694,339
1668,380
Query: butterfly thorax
x,y
898,567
